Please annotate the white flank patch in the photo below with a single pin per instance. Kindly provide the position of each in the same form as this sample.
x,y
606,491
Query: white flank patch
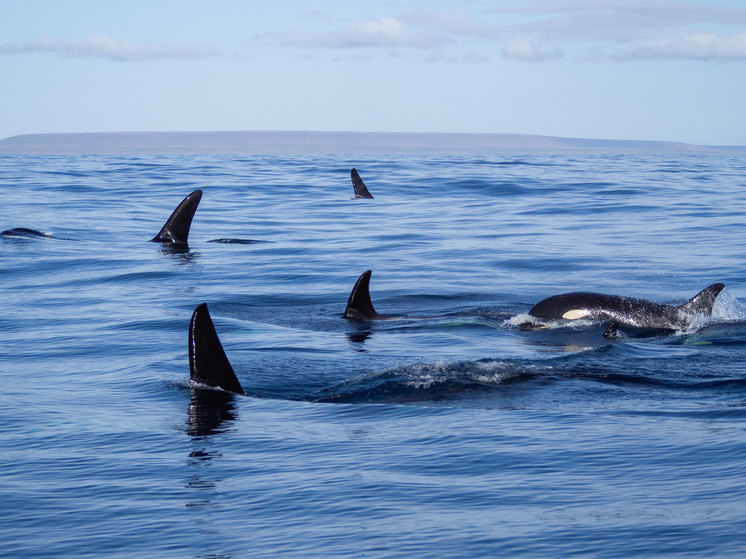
x,y
576,314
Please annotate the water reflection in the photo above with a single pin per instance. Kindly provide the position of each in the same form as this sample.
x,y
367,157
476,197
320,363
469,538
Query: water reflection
x,y
359,336
210,412
179,252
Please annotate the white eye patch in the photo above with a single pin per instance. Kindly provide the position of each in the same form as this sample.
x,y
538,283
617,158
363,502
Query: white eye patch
x,y
575,314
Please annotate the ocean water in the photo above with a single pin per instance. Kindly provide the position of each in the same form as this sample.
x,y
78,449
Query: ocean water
x,y
454,435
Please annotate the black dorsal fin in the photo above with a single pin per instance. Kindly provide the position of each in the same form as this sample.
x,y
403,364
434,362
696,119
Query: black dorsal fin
x,y
612,332
176,228
702,302
359,305
361,191
208,363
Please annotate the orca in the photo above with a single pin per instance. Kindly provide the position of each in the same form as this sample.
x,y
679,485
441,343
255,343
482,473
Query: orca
x,y
624,311
176,228
25,233
208,363
359,305
361,191
235,241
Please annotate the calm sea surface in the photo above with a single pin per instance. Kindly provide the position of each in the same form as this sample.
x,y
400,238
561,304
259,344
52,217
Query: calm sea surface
x,y
451,436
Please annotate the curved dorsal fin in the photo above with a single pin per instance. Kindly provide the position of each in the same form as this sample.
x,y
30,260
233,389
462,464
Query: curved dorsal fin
x,y
361,191
208,363
702,302
359,305
176,228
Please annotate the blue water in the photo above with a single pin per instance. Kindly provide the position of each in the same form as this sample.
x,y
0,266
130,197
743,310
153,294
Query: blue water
x,y
456,435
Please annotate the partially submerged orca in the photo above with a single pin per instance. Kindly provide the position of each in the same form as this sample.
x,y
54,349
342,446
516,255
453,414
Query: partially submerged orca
x,y
620,311
625,311
25,233
359,305
208,363
176,228
174,232
361,191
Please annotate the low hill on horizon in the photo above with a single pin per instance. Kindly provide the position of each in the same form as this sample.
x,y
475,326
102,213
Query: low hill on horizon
x,y
321,143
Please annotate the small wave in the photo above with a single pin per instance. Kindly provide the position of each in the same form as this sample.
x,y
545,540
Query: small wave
x,y
427,382
728,309
236,241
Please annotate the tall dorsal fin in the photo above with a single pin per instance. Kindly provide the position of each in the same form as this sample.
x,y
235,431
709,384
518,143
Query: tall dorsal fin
x,y
359,305
208,363
176,228
361,191
702,302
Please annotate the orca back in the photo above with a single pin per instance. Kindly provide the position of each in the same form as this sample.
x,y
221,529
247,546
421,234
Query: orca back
x,y
24,232
703,301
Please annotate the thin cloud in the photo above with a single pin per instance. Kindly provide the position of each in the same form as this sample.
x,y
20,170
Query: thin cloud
x,y
456,22
101,46
701,46
382,32
540,31
470,57
613,21
524,50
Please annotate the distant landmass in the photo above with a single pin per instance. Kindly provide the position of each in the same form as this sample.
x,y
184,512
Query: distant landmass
x,y
320,143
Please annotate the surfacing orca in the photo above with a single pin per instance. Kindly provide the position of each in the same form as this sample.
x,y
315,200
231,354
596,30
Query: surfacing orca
x,y
176,228
361,191
359,305
208,363
23,232
625,311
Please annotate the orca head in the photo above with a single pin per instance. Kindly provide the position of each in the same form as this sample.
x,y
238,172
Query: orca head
x,y
176,228
568,306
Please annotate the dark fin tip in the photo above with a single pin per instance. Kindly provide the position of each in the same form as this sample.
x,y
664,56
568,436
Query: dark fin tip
x,y
208,363
359,305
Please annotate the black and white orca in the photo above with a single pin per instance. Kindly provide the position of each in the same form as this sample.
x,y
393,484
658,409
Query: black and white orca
x,y
625,311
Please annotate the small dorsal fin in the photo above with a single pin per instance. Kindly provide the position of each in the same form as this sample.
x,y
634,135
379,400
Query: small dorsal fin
x,y
176,228
208,363
612,332
702,302
361,191
359,305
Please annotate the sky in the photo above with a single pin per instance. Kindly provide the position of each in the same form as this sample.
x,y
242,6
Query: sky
x,y
667,70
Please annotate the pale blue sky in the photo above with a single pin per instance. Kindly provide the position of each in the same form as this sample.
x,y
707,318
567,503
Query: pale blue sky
x,y
634,69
